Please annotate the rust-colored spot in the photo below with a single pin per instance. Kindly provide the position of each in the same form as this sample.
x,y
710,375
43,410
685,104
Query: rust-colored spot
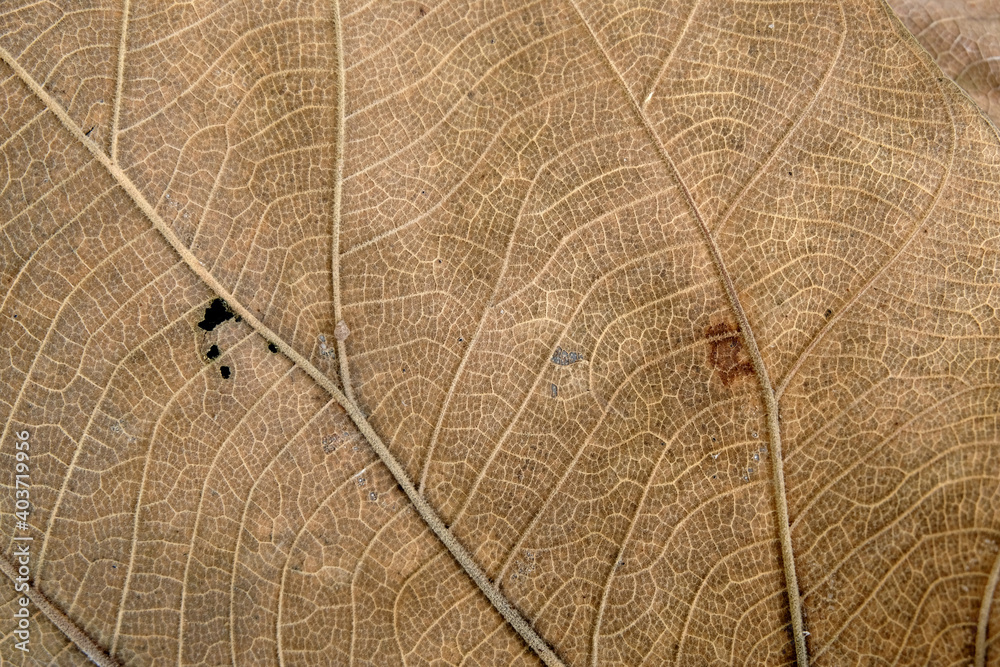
x,y
726,354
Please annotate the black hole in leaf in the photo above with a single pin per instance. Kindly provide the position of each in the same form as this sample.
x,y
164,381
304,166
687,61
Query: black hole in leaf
x,y
224,370
216,313
213,352
272,347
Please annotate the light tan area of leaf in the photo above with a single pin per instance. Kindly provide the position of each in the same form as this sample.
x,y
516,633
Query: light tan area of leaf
x,y
585,333
963,36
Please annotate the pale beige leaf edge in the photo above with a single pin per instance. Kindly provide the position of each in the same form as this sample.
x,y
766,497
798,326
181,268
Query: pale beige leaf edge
x,y
906,34
990,119
426,512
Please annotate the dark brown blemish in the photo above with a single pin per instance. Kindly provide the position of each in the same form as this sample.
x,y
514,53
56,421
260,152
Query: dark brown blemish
x,y
726,354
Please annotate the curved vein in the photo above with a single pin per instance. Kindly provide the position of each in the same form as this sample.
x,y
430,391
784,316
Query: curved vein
x,y
984,613
768,395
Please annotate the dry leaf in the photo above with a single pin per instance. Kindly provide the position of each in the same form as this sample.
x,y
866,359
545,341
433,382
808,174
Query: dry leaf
x,y
963,36
656,313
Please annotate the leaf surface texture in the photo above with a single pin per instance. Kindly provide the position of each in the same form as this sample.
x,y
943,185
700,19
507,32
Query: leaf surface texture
x,y
488,334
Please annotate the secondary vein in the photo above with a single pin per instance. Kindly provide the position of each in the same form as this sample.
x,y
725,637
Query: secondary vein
x,y
770,402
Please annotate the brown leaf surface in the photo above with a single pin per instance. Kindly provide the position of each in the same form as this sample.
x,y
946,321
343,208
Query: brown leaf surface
x,y
487,334
963,36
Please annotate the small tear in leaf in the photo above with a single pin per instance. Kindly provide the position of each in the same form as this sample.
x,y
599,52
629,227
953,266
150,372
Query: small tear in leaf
x,y
216,313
